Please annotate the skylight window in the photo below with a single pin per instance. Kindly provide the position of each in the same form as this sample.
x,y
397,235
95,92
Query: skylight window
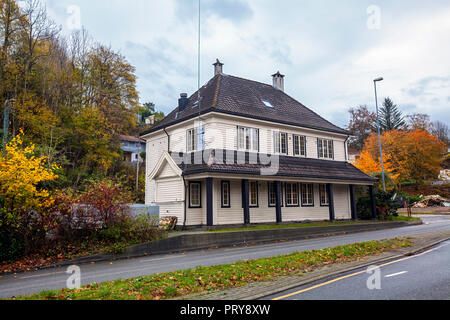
x,y
267,104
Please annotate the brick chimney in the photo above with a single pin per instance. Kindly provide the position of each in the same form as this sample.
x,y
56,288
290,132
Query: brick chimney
x,y
218,67
278,81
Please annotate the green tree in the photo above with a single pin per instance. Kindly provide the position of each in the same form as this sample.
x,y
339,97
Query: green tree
x,y
390,117
148,109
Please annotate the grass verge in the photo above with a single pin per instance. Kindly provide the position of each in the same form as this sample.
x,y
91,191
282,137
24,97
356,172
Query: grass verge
x,y
401,218
213,278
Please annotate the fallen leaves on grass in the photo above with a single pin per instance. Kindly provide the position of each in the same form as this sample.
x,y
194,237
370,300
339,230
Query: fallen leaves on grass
x,y
213,278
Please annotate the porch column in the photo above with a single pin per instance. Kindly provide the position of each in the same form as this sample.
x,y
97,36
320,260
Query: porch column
x,y
245,201
373,202
278,201
209,202
331,201
353,202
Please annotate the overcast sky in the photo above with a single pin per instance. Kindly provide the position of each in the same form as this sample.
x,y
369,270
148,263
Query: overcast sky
x,y
330,51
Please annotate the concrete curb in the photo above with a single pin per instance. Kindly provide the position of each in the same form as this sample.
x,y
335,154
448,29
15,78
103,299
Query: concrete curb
x,y
386,258
209,240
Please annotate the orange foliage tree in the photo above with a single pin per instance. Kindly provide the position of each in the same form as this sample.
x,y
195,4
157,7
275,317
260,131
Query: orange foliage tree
x,y
413,156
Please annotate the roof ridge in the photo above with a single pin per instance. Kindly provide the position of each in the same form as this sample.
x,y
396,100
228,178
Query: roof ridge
x,y
216,92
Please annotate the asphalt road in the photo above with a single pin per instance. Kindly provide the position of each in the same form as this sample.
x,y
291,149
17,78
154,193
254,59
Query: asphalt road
x,y
35,281
425,276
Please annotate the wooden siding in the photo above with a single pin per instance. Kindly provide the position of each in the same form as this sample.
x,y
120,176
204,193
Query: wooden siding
x,y
169,193
221,133
266,214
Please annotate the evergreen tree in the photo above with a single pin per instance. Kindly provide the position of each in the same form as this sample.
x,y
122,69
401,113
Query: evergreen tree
x,y
390,117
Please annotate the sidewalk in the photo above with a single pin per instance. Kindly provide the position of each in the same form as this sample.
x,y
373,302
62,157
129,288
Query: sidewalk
x,y
260,290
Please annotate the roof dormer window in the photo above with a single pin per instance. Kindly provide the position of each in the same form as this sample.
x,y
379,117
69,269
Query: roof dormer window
x,y
268,104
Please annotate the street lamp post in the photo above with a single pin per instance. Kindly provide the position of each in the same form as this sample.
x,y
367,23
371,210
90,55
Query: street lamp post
x,y
379,131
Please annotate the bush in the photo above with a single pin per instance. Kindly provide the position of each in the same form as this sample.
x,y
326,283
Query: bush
x,y
408,198
12,244
141,229
105,202
386,205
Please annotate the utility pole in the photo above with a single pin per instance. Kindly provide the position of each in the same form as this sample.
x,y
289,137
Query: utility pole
x,y
379,132
137,167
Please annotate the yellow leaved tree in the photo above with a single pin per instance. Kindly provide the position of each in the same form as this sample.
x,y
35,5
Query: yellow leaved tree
x,y
21,172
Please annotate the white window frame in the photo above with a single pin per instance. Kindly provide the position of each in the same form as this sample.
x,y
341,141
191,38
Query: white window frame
x,y
226,196
323,194
199,198
195,139
292,195
325,148
307,194
277,143
247,139
301,150
253,188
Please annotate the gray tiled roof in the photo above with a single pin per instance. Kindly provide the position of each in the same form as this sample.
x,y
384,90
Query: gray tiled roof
x,y
216,161
237,96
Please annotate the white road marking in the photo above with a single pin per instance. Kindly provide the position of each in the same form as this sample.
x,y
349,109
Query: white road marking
x,y
42,275
395,274
158,259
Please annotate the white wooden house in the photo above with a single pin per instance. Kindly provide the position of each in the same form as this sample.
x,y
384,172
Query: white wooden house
x,y
243,152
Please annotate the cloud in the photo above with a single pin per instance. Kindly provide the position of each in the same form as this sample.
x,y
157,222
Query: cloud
x,y
234,10
429,86
324,48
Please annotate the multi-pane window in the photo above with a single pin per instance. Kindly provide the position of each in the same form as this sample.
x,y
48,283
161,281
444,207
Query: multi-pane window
x,y
248,139
195,198
195,139
273,195
307,194
225,194
299,146
324,200
253,193
325,148
280,142
291,194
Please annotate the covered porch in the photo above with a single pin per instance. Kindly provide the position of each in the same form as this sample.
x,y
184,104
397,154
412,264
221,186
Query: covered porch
x,y
218,200
206,189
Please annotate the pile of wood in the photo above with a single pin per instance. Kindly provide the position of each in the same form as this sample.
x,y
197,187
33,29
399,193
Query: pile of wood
x,y
445,175
431,201
168,223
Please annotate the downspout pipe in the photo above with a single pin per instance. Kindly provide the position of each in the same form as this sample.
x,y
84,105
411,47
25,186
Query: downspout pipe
x,y
185,196
168,140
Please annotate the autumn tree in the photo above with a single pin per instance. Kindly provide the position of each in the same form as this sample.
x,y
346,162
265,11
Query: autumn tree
x,y
413,156
418,121
390,117
441,131
21,173
72,96
362,124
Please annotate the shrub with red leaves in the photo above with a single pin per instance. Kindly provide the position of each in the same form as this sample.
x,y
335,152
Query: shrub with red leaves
x,y
105,204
